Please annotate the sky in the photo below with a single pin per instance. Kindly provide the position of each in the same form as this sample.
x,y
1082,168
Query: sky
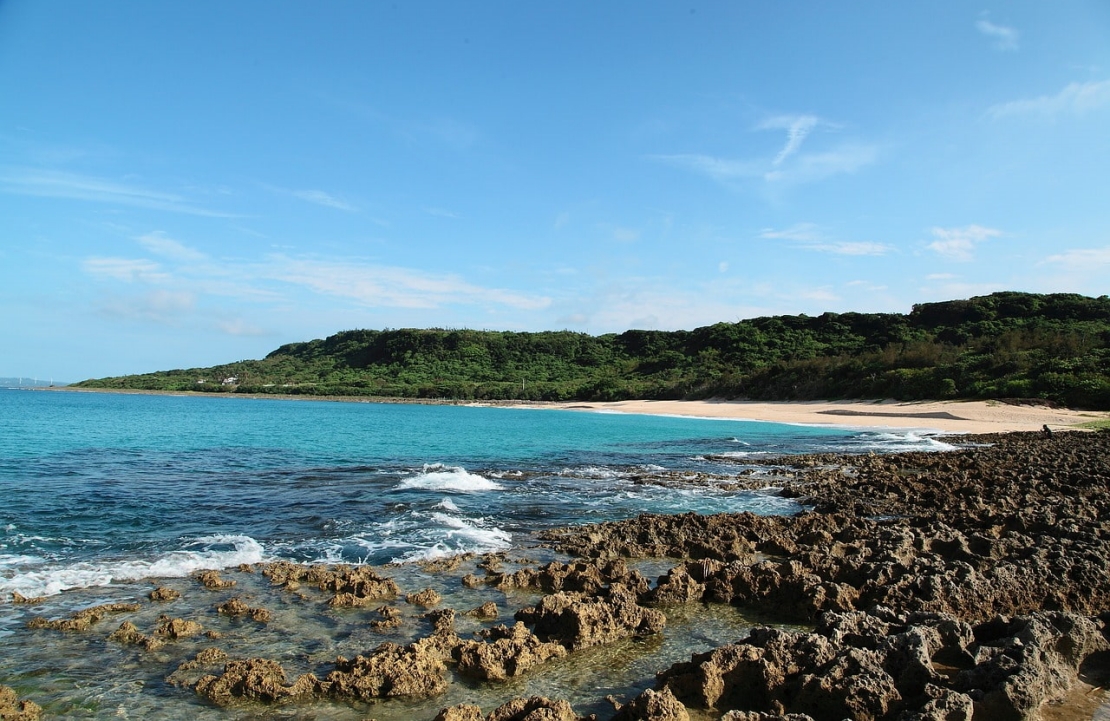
x,y
184,184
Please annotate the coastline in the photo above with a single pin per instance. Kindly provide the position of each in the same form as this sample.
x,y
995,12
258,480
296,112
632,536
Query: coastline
x,y
943,416
956,416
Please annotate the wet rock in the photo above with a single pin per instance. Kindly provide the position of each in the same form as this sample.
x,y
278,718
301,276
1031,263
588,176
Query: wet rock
x,y
256,679
186,672
351,586
129,634
653,705
536,708
445,564
389,671
578,621
213,581
505,653
163,593
427,597
237,607
175,628
462,712
12,709
472,581
82,620
18,598
487,611
390,618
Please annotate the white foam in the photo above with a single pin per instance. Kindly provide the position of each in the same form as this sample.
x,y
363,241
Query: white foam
x,y
448,478
457,535
447,505
208,552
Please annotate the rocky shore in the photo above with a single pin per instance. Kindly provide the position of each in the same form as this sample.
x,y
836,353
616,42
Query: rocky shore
x,y
970,584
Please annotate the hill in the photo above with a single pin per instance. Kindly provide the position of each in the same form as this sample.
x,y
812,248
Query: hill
x,y
1054,347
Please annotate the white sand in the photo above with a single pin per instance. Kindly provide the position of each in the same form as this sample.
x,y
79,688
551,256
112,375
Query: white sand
x,y
948,416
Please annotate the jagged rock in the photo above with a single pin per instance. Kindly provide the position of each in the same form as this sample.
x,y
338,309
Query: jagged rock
x,y
578,621
12,709
1022,662
505,653
176,628
389,671
536,708
18,597
184,676
351,586
128,633
426,598
472,581
237,607
487,611
653,706
390,618
764,716
256,679
212,580
462,712
82,620
854,685
163,593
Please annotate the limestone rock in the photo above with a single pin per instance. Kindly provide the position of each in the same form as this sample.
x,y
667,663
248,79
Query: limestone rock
x,y
212,580
256,679
506,653
12,709
389,671
578,621
653,706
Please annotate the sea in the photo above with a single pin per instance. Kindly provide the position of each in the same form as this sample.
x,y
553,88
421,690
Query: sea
x,y
104,496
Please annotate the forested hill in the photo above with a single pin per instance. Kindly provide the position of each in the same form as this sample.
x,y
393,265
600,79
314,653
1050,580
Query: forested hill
x,y
1004,345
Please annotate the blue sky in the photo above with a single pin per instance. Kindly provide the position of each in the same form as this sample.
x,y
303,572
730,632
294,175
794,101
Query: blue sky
x,y
189,183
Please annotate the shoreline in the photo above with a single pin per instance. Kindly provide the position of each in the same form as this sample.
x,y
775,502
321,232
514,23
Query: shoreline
x,y
955,416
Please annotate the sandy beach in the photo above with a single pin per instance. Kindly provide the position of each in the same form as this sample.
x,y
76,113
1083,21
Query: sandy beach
x,y
945,416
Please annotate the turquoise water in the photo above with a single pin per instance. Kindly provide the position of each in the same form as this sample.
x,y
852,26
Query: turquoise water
x,y
105,496
100,488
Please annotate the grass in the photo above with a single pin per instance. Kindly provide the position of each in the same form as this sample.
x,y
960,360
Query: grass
x,y
1099,425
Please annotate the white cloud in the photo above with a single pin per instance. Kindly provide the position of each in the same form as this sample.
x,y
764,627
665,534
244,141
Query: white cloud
x,y
241,328
1081,258
810,237
720,169
59,184
1004,38
384,286
319,197
1075,99
625,235
958,243
164,307
797,128
159,244
127,270
810,167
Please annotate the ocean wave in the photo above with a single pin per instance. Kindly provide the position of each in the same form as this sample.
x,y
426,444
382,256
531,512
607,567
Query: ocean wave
x,y
207,552
438,477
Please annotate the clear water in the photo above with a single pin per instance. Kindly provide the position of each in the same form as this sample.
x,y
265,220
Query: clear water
x,y
104,495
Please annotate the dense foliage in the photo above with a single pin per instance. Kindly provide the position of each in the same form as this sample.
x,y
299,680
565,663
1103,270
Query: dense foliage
x,y
1005,345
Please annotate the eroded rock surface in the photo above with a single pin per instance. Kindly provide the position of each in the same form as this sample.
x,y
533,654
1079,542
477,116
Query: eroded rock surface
x,y
578,621
256,679
13,709
505,652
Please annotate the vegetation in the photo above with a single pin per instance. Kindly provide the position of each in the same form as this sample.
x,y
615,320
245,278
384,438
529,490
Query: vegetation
x,y
1005,345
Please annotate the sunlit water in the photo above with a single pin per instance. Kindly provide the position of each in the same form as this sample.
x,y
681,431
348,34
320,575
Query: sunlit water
x,y
105,496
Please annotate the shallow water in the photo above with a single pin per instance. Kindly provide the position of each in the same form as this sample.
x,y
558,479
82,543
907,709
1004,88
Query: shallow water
x,y
106,495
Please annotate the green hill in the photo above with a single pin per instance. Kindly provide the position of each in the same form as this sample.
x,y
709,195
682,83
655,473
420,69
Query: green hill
x,y
1005,345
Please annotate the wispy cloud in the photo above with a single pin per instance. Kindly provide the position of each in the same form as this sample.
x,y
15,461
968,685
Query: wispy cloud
x,y
127,270
386,286
810,237
1075,99
1005,38
327,200
1081,258
73,186
721,169
958,243
789,167
159,244
162,307
797,127
811,167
